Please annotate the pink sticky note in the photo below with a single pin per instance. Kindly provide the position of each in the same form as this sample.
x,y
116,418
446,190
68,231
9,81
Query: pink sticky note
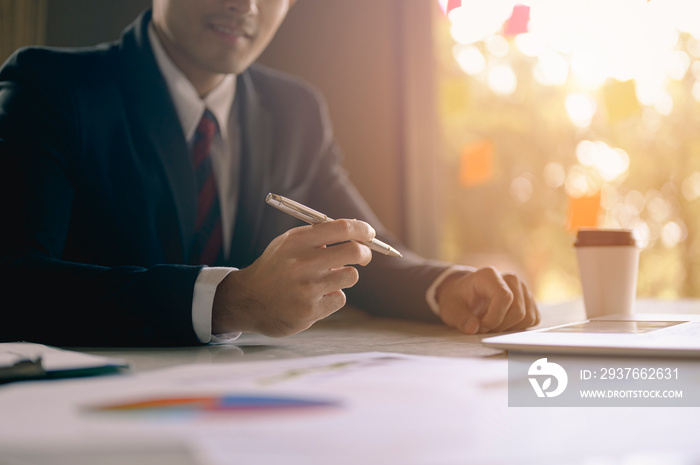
x,y
452,4
517,23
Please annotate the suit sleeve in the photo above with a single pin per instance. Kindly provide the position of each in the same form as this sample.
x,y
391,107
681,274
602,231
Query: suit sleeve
x,y
45,297
388,286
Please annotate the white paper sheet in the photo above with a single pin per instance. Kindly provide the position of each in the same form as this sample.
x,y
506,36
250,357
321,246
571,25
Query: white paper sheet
x,y
392,409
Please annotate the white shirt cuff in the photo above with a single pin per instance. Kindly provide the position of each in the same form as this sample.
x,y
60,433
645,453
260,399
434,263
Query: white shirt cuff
x,y
431,293
203,303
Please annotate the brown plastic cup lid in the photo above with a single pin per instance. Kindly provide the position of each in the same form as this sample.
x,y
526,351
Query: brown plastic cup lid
x,y
604,237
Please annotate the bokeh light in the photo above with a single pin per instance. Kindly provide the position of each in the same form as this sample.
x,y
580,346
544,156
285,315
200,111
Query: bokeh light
x,y
589,105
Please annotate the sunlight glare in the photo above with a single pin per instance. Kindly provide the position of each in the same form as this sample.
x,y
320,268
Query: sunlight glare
x,y
469,58
581,109
502,79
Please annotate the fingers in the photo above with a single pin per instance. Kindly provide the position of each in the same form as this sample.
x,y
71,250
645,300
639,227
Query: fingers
x,y
512,307
532,314
337,231
517,313
348,253
338,278
346,236
298,279
332,302
489,286
307,245
488,301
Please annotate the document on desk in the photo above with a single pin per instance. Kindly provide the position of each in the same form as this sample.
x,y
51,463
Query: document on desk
x,y
240,409
374,407
26,360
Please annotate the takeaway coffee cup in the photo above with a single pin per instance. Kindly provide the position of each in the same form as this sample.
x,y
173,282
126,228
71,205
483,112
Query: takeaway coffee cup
x,y
608,260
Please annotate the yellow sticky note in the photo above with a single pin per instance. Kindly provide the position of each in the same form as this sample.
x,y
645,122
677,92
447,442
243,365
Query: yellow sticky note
x,y
621,100
477,165
454,96
583,212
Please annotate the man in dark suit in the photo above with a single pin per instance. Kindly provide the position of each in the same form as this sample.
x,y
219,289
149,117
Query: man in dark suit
x,y
134,176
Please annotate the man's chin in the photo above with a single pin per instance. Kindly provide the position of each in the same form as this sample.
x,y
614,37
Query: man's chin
x,y
232,67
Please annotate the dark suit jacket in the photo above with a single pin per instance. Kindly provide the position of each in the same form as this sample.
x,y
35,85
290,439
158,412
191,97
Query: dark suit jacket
x,y
98,196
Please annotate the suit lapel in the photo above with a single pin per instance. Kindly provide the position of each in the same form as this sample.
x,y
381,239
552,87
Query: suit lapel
x,y
254,169
156,129
157,132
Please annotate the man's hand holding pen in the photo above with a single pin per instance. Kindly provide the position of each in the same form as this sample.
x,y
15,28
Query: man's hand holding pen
x,y
297,281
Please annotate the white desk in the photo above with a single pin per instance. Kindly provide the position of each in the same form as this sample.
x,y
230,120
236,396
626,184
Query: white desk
x,y
486,432
352,331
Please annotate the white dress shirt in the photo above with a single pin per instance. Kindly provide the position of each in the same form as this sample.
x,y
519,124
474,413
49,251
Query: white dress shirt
x,y
225,157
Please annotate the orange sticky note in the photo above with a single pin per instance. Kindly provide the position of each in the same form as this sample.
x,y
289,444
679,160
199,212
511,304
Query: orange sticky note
x,y
583,212
621,100
517,23
477,165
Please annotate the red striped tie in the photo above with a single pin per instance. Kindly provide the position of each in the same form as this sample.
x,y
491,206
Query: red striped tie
x,y
208,240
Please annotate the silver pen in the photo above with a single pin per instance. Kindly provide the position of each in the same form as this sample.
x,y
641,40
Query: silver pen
x,y
311,216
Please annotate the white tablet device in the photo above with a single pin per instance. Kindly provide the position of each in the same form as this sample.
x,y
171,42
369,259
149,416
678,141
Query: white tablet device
x,y
644,334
